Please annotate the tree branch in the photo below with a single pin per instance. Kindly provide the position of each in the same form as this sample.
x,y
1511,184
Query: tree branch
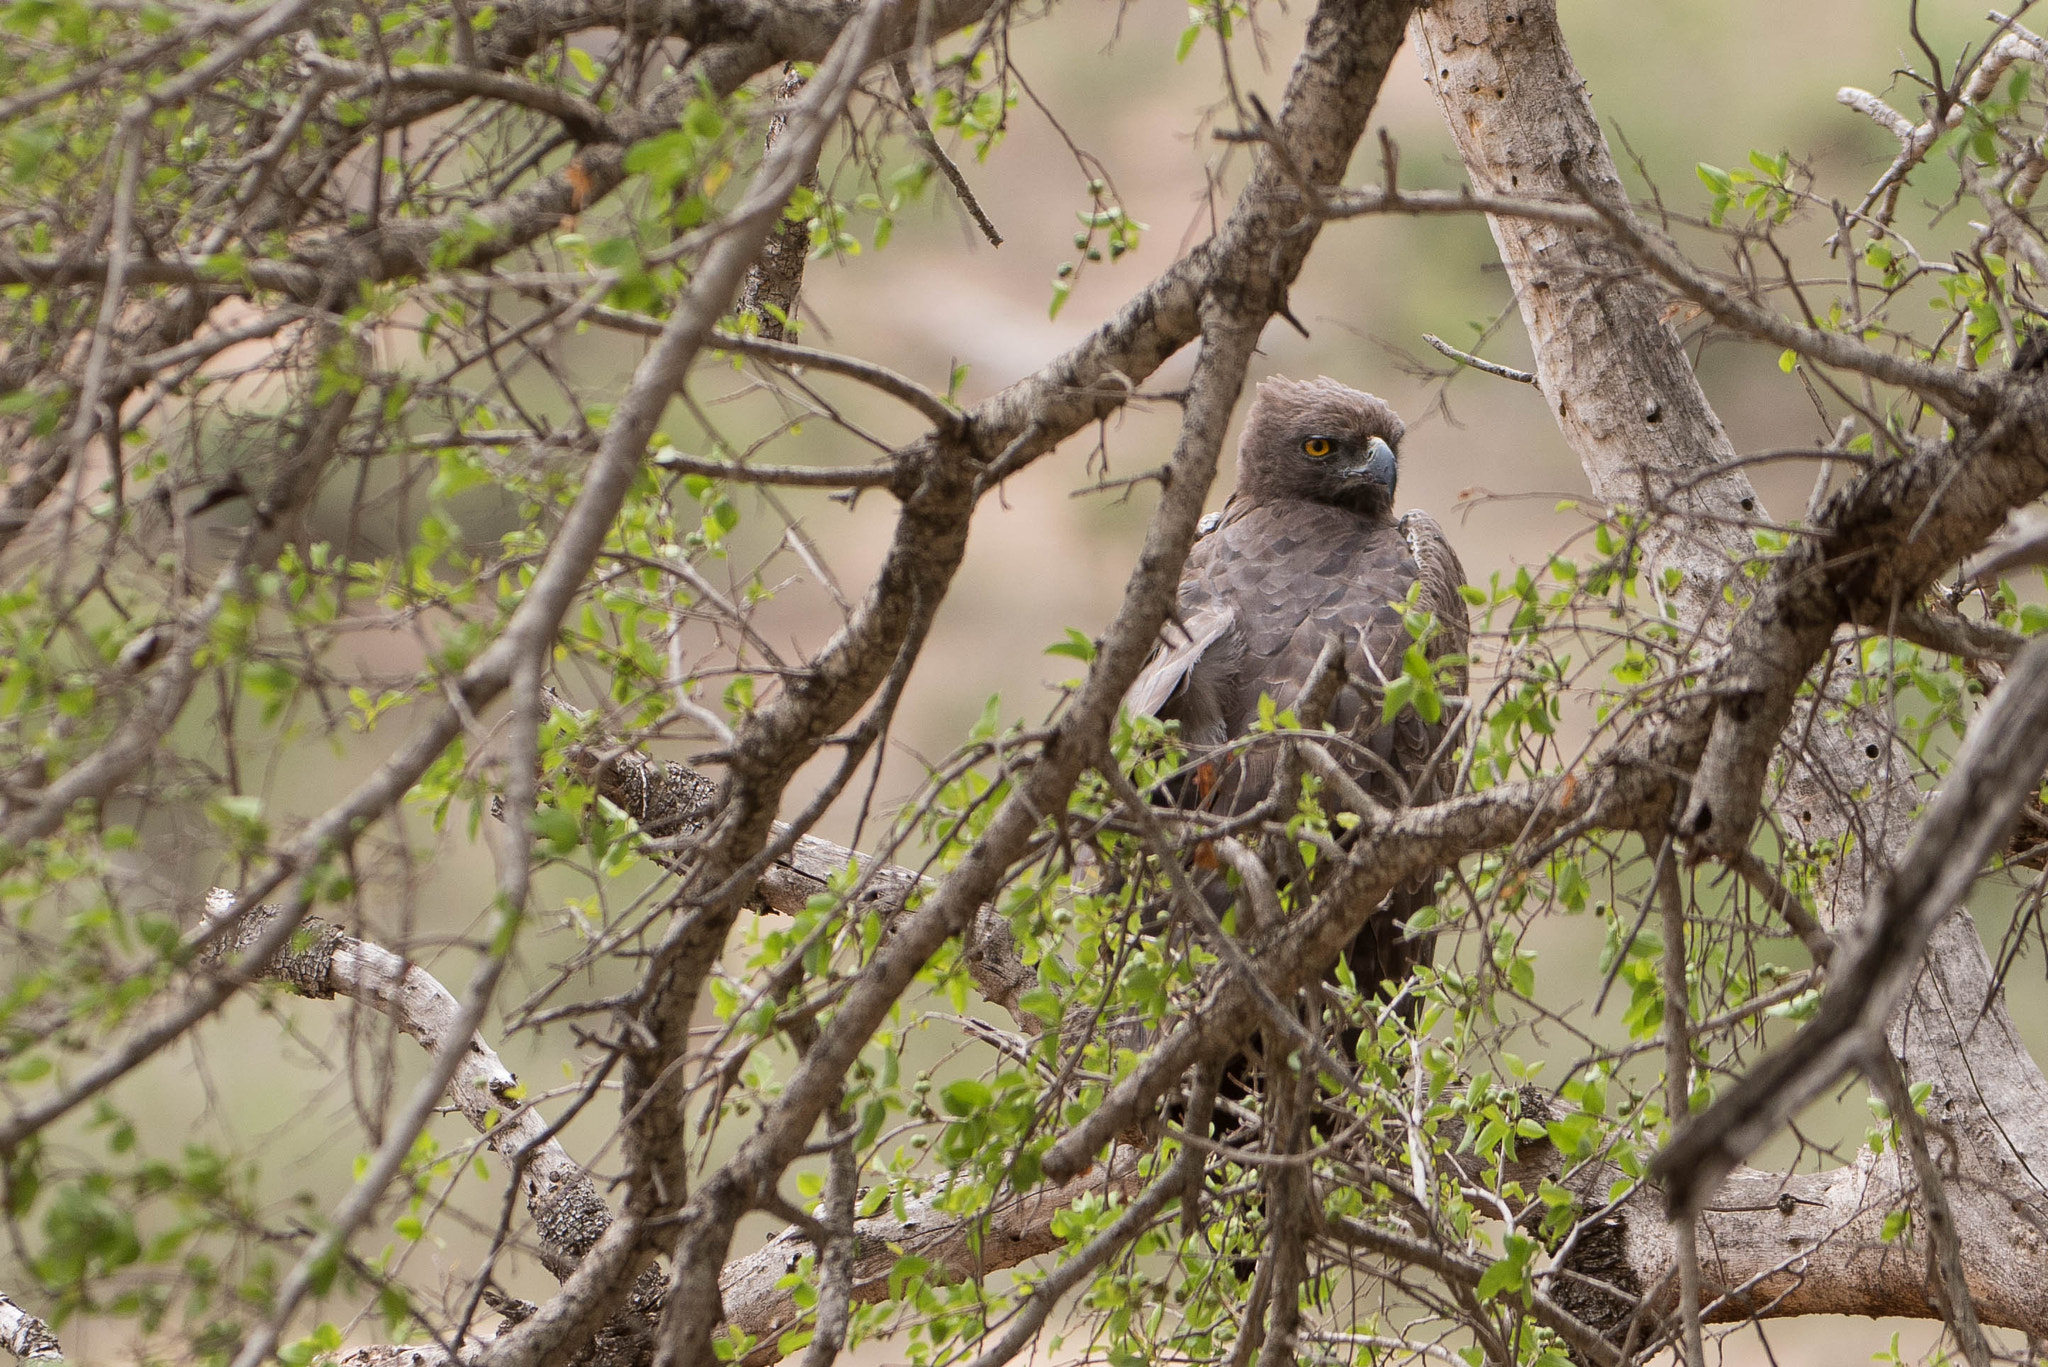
x,y
1999,768
1624,395
27,1337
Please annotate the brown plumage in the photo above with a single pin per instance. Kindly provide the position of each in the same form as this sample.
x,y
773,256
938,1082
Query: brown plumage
x,y
1306,549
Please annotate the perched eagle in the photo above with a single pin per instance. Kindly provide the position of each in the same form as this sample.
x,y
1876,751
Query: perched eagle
x,y
1308,548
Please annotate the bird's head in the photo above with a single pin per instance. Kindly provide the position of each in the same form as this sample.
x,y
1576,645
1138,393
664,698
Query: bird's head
x,y
1321,441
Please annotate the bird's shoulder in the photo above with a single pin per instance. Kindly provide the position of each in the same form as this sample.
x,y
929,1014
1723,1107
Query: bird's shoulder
x,y
1259,546
1442,576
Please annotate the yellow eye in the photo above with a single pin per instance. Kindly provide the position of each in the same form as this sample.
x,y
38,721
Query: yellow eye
x,y
1317,447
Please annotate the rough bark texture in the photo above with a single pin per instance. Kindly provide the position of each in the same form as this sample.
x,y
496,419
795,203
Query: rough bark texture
x,y
962,1248
1518,111
25,1336
1236,283
672,801
1617,380
769,296
1594,288
1225,289
324,960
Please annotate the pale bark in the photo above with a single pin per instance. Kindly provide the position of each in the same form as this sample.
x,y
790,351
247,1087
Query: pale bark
x,y
326,961
26,1337
1618,382
1225,290
959,1248
672,802
568,1213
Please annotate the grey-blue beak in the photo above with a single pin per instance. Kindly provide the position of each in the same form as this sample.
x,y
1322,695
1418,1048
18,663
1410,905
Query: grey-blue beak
x,y
1379,464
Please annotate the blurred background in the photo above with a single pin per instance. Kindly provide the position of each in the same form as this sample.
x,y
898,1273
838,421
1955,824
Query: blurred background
x,y
1678,84
1675,85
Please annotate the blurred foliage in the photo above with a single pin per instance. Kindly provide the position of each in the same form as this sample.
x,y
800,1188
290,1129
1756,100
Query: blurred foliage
x,y
468,444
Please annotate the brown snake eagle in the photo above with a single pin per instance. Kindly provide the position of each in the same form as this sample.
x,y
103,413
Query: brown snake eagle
x,y
1307,549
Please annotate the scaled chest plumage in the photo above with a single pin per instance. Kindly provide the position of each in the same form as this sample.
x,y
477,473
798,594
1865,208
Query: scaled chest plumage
x,y
1291,574
1307,551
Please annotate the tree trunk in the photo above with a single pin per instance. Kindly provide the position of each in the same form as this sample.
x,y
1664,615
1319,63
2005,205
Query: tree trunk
x,y
1617,380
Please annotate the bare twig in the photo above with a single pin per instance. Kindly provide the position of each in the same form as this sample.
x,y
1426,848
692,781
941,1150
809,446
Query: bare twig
x,y
1479,363
921,132
1678,1093
1954,1282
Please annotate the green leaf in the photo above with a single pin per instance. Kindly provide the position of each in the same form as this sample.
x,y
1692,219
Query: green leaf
x,y
560,830
1399,692
1060,290
1076,647
321,1273
703,120
1503,1275
965,1096
1046,1005
1573,1134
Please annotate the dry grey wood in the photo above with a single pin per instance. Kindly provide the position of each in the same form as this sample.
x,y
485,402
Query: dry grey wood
x,y
2025,545
728,42
294,480
721,1198
1229,295
671,800
1620,388
134,741
1643,430
1011,1232
1227,288
1258,250
1014,1230
27,1337
655,1154
802,29
770,293
324,961
452,1054
1999,768
1250,265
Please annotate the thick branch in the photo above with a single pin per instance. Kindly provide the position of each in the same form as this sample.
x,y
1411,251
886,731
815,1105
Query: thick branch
x,y
673,801
1625,397
27,1337
960,1248
324,961
1999,768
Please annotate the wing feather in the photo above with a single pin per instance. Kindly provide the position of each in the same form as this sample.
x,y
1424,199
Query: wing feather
x,y
1187,651
1442,576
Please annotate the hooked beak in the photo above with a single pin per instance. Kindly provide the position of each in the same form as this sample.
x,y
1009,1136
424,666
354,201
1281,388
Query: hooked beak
x,y
1378,463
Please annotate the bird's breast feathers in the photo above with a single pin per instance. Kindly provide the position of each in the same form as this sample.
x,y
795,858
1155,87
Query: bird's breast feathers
x,y
1288,562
